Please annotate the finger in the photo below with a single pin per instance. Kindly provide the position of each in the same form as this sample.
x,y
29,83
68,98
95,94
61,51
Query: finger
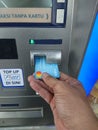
x,y
45,94
68,79
50,81
63,76
44,86
31,78
56,85
72,82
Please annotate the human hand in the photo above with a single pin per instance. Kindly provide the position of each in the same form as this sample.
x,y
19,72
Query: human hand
x,y
67,100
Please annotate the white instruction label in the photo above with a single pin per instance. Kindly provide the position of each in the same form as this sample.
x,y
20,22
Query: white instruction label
x,y
61,1
12,77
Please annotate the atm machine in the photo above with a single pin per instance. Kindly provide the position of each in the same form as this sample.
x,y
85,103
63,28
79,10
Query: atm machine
x,y
55,29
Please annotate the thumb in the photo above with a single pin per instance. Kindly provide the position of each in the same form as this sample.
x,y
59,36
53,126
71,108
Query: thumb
x,y
53,83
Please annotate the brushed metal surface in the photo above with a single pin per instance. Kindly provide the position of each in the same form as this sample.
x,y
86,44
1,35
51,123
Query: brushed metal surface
x,y
80,17
52,56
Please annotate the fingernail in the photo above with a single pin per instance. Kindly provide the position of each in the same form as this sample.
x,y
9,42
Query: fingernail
x,y
44,75
29,77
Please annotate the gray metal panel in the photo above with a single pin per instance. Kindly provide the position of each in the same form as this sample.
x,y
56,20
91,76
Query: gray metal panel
x,y
30,128
22,113
80,14
84,15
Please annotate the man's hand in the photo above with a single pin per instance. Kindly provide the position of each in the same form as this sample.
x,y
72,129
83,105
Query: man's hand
x,y
67,100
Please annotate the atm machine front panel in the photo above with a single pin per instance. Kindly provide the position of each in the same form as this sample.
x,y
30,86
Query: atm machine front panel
x,y
30,28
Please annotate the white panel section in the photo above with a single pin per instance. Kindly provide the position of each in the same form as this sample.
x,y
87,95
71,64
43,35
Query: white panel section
x,y
60,16
12,77
25,15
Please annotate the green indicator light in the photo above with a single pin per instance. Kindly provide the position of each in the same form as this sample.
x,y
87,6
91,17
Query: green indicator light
x,y
32,41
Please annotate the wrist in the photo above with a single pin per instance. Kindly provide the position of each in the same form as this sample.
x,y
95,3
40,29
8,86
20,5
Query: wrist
x,y
91,123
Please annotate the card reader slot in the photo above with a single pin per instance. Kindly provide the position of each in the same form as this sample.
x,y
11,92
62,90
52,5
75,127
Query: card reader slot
x,y
22,113
52,56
